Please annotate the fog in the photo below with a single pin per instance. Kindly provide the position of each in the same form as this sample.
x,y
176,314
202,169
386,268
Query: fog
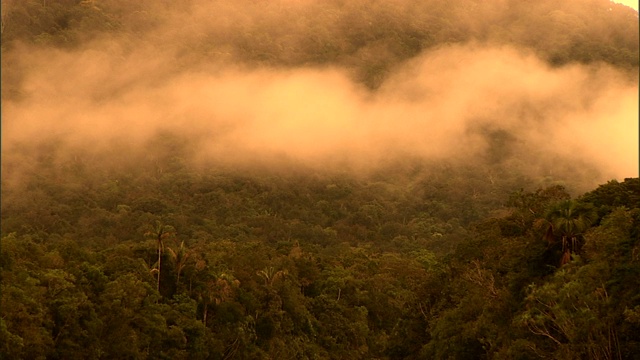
x,y
444,103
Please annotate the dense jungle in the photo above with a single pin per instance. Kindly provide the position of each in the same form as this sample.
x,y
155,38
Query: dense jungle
x,y
307,179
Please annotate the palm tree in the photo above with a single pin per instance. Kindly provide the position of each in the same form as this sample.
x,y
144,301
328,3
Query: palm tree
x,y
159,232
269,274
217,289
180,257
569,220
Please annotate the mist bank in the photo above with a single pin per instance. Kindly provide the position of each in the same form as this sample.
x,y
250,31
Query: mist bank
x,y
328,85
466,102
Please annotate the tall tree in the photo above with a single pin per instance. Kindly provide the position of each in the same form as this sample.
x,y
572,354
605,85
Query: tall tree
x,y
180,257
160,232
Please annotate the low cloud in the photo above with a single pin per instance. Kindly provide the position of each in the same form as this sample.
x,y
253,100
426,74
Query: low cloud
x,y
461,102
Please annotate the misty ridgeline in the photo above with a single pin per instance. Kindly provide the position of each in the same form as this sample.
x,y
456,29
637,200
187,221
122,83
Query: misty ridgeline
x,y
319,179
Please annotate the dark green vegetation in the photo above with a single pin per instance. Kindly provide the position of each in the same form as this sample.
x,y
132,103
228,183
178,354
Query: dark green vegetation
x,y
366,36
139,252
176,263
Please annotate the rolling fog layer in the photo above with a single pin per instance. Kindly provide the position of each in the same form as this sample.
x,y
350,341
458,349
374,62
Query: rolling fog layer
x,y
443,104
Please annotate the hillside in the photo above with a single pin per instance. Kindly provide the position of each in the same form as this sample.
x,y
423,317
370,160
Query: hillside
x,y
319,180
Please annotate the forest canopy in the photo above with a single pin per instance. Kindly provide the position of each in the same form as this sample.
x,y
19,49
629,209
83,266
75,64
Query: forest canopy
x,y
319,180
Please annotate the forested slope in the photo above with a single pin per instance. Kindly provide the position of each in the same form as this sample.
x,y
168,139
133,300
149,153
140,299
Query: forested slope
x,y
272,265
319,180
369,37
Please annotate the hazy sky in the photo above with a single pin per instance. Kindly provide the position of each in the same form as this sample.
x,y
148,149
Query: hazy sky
x,y
630,3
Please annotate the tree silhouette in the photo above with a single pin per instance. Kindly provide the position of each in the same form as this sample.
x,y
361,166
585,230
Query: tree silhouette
x,y
160,232
180,256
569,220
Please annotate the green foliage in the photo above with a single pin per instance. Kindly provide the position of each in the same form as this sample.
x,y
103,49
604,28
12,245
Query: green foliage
x,y
266,264
319,266
613,194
